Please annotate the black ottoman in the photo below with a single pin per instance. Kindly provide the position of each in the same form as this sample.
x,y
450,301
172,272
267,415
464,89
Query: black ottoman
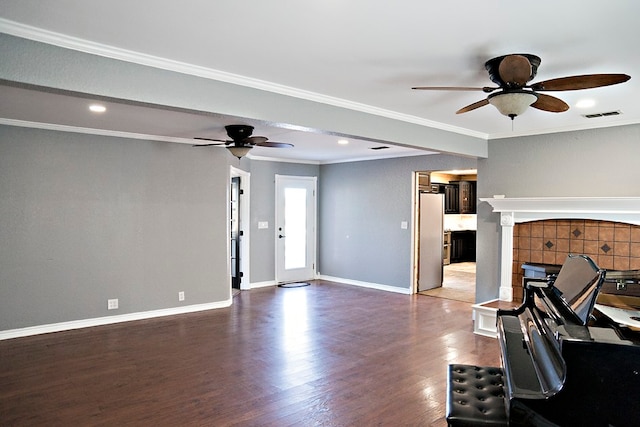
x,y
475,396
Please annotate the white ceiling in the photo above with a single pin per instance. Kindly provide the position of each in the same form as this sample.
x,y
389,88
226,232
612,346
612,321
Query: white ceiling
x,y
364,53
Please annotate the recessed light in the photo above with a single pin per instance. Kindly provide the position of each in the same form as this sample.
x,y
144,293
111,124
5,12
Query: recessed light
x,y
585,103
343,142
96,108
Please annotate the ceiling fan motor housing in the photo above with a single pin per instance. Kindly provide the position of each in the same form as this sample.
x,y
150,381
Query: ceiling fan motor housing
x,y
239,132
493,66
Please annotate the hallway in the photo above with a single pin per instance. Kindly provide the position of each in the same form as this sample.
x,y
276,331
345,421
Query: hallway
x,y
459,283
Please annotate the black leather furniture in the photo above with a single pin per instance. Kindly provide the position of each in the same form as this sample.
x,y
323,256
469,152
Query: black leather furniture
x,y
475,396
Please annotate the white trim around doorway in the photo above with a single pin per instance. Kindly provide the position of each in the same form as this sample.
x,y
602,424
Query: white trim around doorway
x,y
245,226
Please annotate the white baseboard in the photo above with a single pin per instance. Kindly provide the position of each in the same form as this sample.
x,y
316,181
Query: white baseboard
x,y
256,285
378,286
108,320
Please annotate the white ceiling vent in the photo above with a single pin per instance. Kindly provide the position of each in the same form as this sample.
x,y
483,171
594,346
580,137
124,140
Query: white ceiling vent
x,y
608,113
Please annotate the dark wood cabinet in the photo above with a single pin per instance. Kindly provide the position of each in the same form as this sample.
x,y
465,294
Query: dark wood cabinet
x,y
467,196
451,199
463,246
460,197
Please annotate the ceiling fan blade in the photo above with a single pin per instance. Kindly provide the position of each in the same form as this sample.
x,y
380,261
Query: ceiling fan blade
x,y
218,142
587,81
473,106
274,144
515,70
210,139
550,103
457,88
254,140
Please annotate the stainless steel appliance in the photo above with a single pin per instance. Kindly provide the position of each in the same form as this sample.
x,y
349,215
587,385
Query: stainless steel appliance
x,y
431,241
446,250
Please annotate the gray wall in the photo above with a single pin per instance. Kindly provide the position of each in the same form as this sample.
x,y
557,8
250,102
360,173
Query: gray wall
x,y
361,207
88,218
263,198
599,162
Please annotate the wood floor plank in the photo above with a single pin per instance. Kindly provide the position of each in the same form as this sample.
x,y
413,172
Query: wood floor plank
x,y
326,354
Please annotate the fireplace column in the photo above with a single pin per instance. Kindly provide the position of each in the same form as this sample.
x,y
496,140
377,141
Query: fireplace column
x,y
524,209
506,257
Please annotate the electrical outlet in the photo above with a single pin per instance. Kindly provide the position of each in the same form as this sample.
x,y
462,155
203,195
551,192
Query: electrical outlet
x,y
112,304
181,296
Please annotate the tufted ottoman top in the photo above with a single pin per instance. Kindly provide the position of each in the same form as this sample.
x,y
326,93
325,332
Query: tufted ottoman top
x,y
475,396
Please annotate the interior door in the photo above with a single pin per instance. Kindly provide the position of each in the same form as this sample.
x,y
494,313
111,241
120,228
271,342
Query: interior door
x,y
295,228
236,274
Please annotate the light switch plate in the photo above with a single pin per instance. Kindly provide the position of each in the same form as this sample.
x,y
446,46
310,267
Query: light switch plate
x,y
404,225
263,224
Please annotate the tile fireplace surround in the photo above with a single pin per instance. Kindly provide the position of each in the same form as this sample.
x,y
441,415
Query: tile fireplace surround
x,y
545,229
611,245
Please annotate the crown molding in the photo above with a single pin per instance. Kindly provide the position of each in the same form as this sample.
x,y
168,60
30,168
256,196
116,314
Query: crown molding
x,y
92,131
65,41
575,128
146,137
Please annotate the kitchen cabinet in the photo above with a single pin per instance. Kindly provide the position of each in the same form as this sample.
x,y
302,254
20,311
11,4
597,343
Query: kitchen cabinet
x,y
467,197
424,182
460,197
451,199
463,246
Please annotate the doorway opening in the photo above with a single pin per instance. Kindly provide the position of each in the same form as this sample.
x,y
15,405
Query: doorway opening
x,y
236,232
459,281
239,242
445,249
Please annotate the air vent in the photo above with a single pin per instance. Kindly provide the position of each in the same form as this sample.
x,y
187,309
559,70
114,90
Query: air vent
x,y
382,147
609,113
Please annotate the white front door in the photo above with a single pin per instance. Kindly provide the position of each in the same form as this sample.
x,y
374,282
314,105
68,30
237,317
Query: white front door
x,y
295,228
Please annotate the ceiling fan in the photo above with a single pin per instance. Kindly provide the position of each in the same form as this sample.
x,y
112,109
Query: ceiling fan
x,y
512,73
242,141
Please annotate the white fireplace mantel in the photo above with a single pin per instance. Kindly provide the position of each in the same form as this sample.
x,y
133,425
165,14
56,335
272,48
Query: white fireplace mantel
x,y
514,210
523,209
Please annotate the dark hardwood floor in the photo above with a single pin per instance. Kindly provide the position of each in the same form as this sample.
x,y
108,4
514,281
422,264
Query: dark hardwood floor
x,y
323,355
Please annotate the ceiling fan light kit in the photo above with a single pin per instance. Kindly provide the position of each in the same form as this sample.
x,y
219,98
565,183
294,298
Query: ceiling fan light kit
x,y
512,104
239,151
512,73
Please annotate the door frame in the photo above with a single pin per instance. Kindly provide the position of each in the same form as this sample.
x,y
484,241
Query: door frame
x,y
314,244
415,229
243,224
415,201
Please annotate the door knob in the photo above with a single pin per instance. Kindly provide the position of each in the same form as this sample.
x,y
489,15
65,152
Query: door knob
x,y
280,236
